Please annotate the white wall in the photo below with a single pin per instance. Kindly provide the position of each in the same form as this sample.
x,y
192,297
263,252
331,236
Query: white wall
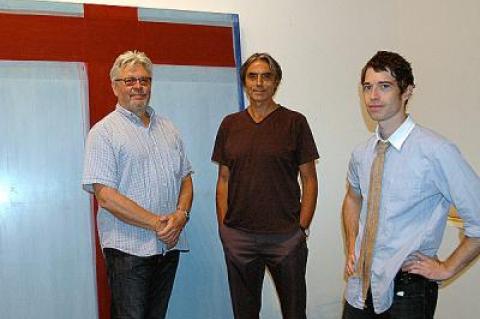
x,y
322,45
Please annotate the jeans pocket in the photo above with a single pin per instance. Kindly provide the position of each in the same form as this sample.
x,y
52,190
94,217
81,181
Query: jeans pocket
x,y
119,263
414,297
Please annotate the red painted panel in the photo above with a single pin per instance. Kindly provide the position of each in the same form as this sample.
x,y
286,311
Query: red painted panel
x,y
30,37
183,44
96,39
103,12
101,36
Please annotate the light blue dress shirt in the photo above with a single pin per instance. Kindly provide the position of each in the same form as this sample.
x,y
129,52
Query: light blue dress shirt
x,y
146,164
423,175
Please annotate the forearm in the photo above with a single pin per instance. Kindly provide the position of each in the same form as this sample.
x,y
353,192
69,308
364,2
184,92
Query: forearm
x,y
124,208
308,202
221,198
350,216
432,268
221,202
466,251
172,225
308,177
185,196
352,204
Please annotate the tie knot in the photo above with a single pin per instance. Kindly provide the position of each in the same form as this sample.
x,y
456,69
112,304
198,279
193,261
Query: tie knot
x,y
382,146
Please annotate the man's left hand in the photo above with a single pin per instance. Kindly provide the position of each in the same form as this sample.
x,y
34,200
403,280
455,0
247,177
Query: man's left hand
x,y
428,267
171,232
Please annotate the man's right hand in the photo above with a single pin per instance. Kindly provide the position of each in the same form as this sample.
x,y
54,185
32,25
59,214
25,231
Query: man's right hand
x,y
349,266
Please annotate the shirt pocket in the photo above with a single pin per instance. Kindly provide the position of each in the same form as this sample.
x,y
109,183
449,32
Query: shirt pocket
x,y
402,184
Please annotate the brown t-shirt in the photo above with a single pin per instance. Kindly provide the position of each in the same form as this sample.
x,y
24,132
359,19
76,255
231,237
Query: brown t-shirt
x,y
263,160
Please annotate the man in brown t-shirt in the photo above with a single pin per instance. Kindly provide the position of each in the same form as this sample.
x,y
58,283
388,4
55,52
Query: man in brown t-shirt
x,y
263,215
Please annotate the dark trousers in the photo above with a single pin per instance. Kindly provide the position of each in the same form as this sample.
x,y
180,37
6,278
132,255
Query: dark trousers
x,y
247,255
141,286
415,298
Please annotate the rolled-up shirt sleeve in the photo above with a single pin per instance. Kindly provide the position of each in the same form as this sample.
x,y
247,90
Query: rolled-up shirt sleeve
x,y
352,174
459,184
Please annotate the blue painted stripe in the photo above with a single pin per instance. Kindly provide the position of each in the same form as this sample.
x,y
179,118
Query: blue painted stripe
x,y
39,8
184,16
238,59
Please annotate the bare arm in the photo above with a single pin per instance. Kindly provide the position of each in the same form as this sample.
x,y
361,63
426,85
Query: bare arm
x,y
432,268
222,193
308,177
352,203
124,208
185,197
176,221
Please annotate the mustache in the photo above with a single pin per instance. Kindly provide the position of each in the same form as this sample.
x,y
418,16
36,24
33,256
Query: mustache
x,y
137,91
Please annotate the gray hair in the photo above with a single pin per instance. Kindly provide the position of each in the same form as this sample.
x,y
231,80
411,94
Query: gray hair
x,y
130,58
272,63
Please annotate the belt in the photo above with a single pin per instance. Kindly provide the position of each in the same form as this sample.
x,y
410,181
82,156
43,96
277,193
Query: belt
x,y
408,277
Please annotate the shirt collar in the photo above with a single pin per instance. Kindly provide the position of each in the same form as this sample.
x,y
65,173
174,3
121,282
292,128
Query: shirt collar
x,y
400,135
132,116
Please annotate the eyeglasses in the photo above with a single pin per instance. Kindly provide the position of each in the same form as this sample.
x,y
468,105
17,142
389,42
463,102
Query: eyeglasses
x,y
131,81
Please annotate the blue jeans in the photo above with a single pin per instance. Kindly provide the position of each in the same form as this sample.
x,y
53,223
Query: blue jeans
x,y
140,286
418,300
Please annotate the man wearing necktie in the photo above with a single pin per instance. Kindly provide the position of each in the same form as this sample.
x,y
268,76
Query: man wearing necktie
x,y
401,184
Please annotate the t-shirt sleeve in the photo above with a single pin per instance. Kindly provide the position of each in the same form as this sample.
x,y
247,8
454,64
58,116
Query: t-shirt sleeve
x,y
100,165
306,147
218,154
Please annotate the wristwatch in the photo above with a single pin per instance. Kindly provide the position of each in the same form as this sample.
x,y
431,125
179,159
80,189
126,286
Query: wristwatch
x,y
306,231
186,212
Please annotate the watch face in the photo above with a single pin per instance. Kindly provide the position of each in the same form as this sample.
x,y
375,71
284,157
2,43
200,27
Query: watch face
x,y
306,231
186,212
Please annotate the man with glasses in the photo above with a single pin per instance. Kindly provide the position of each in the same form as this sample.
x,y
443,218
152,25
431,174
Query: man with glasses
x,y
402,182
136,165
